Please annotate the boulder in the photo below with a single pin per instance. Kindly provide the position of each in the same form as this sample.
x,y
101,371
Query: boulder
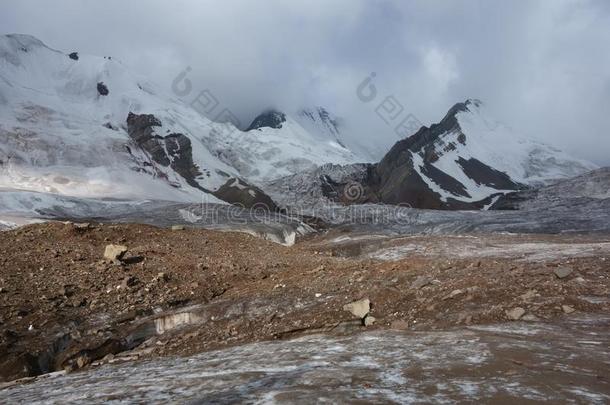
x,y
515,314
568,309
530,318
563,272
369,320
114,252
359,308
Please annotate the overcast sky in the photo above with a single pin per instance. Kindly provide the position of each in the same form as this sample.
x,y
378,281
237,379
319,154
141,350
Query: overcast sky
x,y
542,67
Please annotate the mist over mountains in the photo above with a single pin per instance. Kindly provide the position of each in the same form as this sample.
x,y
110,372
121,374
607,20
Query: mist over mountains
x,y
545,75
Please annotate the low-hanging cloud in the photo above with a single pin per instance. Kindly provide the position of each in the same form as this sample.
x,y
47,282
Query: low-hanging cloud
x,y
543,67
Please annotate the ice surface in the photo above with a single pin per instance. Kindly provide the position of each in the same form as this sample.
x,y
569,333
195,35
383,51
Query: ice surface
x,y
504,363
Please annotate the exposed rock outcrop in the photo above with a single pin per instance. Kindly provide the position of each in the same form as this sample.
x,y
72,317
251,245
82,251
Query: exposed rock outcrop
x,y
412,173
175,152
268,119
102,89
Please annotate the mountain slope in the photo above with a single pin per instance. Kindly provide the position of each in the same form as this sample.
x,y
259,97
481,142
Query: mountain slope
x,y
587,188
466,161
468,157
324,125
85,126
276,146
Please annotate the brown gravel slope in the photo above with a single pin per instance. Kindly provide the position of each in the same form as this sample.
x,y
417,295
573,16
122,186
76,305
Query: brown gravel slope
x,y
63,306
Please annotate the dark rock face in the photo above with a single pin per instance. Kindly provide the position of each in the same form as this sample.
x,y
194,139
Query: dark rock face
x,y
73,56
357,188
395,180
513,201
102,89
268,119
400,183
448,182
141,129
405,186
483,174
180,153
236,191
175,151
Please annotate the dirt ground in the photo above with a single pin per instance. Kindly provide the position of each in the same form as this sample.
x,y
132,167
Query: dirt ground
x,y
180,292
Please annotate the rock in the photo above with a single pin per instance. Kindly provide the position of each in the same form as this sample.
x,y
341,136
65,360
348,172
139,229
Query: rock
x,y
162,277
421,282
108,357
568,309
79,302
115,252
530,318
453,294
67,290
83,226
268,119
369,320
82,361
359,308
515,314
129,281
563,272
178,228
102,89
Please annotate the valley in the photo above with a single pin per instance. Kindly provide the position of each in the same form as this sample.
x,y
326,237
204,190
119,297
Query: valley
x,y
184,291
150,253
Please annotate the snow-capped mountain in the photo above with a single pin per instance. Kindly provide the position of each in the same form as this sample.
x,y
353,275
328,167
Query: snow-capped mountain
x,y
466,161
468,156
268,119
85,126
276,145
319,122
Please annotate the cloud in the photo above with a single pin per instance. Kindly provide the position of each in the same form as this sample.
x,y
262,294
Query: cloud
x,y
541,66
441,68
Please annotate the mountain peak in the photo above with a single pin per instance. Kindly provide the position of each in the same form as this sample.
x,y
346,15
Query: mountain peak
x,y
319,116
268,119
474,101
